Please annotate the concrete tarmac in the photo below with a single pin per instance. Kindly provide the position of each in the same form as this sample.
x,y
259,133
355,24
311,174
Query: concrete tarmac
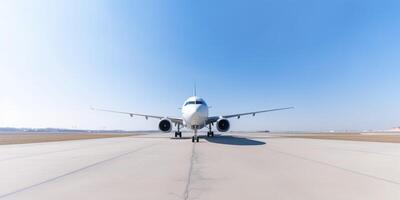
x,y
230,166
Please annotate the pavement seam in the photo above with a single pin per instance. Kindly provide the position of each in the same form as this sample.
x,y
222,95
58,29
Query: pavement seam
x,y
61,151
189,179
337,167
356,150
76,171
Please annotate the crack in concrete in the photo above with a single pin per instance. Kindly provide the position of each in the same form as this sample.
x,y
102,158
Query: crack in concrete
x,y
189,179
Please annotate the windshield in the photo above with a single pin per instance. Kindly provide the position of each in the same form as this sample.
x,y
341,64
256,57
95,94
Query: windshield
x,y
194,102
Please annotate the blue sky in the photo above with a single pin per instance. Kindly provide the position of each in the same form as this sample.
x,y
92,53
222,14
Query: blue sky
x,y
337,62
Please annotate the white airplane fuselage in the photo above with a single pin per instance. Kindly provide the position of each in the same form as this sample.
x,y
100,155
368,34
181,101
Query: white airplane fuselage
x,y
194,113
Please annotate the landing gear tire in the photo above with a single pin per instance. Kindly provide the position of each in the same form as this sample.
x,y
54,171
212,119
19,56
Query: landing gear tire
x,y
195,139
178,134
210,134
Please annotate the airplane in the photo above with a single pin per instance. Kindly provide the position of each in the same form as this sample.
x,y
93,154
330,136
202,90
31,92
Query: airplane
x,y
194,116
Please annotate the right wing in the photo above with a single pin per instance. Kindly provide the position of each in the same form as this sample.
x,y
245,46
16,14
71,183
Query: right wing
x,y
173,119
215,118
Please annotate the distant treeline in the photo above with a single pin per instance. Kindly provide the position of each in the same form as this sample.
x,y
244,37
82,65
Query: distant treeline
x,y
61,130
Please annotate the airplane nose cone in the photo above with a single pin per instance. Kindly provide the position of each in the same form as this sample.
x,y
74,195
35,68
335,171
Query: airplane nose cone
x,y
198,109
199,115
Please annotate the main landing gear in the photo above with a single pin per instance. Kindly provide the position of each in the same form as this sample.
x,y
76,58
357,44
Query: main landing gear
x,y
210,133
178,133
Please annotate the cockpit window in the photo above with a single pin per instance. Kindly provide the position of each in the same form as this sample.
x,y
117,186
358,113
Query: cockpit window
x,y
194,102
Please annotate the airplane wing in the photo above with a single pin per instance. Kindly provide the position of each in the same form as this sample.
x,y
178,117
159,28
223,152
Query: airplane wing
x,y
215,118
173,119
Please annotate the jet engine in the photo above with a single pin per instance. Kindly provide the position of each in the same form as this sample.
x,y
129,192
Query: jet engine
x,y
223,125
165,125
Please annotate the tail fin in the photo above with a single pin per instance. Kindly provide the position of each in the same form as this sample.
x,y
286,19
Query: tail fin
x,y
194,90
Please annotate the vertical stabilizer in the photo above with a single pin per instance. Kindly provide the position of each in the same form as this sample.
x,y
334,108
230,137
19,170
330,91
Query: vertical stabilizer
x,y
194,90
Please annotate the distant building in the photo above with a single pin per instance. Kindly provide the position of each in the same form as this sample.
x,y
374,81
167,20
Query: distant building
x,y
396,129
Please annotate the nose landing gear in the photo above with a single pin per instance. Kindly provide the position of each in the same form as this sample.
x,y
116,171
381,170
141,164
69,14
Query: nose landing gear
x,y
195,138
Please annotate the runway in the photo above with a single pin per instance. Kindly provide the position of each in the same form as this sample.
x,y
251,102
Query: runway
x,y
231,166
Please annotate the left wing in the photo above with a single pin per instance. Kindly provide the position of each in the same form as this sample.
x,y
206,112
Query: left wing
x,y
215,118
173,119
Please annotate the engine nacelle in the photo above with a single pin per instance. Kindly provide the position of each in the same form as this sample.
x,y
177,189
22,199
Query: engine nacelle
x,y
165,125
223,125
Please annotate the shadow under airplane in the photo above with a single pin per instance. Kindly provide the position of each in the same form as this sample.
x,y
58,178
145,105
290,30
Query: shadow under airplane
x,y
232,140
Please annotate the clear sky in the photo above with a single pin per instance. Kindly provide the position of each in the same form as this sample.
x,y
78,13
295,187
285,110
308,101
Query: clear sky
x,y
337,62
